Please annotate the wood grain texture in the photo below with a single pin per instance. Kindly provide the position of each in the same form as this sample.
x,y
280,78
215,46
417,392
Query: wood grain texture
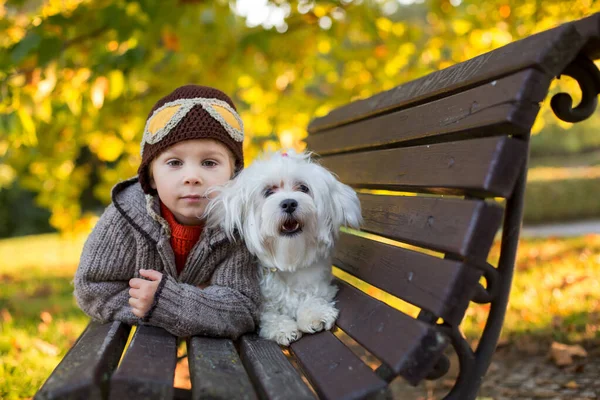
x,y
484,167
334,370
549,51
216,370
505,106
408,346
441,286
84,371
148,367
463,227
270,371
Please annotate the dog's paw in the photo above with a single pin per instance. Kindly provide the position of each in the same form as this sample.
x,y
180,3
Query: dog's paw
x,y
284,332
311,320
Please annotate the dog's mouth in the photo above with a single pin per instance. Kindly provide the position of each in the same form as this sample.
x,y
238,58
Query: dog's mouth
x,y
291,227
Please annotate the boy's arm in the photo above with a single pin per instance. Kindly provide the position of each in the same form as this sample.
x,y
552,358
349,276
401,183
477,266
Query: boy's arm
x,y
106,265
227,308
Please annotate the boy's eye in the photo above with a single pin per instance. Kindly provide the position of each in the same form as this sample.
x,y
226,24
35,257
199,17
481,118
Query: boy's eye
x,y
268,192
303,188
174,163
209,163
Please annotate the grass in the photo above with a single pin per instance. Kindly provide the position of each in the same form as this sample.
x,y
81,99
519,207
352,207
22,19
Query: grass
x,y
563,188
38,316
556,295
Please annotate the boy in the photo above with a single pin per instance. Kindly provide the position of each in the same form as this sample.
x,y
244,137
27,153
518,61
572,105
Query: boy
x,y
197,281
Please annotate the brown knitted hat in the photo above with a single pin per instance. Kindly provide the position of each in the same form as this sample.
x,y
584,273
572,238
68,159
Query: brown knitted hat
x,y
190,112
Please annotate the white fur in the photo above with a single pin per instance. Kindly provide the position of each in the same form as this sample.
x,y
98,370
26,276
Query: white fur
x,y
295,273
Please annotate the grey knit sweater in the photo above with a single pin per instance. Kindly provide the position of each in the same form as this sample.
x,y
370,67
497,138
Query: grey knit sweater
x,y
131,235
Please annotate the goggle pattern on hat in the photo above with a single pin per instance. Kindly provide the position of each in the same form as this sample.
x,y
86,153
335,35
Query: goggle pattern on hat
x,y
166,117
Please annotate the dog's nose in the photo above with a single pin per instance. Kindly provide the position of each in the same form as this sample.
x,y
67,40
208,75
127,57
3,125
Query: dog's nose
x,y
289,205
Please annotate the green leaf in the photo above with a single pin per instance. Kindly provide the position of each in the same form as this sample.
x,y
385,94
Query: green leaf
x,y
25,47
50,49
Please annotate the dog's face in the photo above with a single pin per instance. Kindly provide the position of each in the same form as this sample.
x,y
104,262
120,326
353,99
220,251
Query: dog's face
x,y
288,210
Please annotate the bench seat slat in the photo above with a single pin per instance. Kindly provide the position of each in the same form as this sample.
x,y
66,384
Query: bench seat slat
x,y
441,286
272,374
216,370
506,106
408,346
83,373
334,370
549,51
463,227
486,167
148,367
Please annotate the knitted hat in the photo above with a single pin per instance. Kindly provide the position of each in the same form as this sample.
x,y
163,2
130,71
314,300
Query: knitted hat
x,y
190,112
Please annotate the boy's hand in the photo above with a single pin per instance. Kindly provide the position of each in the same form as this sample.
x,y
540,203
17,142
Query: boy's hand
x,y
142,291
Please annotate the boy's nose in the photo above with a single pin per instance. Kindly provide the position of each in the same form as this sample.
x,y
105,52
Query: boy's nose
x,y
193,179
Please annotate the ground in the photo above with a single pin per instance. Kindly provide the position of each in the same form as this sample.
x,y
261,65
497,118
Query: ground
x,y
522,371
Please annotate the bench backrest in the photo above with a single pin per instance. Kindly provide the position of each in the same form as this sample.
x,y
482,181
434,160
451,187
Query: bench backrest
x,y
457,141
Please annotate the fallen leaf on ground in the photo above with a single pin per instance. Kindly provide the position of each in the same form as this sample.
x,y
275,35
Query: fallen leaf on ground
x,y
5,315
562,354
46,317
45,347
571,385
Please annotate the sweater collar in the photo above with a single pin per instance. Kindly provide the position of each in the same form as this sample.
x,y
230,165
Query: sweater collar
x,y
179,231
143,212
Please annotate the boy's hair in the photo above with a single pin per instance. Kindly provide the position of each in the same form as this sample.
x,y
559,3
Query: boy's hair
x,y
190,112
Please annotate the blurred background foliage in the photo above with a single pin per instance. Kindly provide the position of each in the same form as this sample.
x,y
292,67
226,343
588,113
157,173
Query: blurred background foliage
x,y
78,78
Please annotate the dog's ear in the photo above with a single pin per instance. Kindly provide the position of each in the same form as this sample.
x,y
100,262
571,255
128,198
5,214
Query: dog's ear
x,y
227,209
346,206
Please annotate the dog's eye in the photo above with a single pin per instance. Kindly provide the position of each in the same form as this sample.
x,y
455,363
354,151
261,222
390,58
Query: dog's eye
x,y
268,192
303,188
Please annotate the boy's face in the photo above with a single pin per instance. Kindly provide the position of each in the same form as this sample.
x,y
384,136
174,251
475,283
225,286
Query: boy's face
x,y
182,173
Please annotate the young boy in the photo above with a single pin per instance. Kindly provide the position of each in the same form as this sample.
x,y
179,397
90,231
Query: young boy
x,y
196,281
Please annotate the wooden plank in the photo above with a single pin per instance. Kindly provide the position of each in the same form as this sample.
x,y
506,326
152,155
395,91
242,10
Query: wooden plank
x,y
506,106
334,370
441,286
463,227
549,51
148,367
589,28
84,371
408,346
482,167
270,371
216,370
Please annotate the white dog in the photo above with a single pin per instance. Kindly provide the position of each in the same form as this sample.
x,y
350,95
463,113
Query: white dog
x,y
288,211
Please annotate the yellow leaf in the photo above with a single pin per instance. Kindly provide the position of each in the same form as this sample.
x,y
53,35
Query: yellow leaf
x,y
538,125
110,148
28,127
244,81
384,24
7,175
324,46
460,26
99,88
45,347
117,83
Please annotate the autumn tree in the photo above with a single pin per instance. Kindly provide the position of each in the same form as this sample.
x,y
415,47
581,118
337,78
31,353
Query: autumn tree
x,y
77,78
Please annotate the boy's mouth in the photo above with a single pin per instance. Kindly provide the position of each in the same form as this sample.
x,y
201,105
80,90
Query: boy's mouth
x,y
193,197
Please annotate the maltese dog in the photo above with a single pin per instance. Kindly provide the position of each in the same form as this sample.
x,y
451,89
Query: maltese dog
x,y
288,210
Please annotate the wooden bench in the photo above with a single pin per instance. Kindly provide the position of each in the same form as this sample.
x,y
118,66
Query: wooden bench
x,y
457,139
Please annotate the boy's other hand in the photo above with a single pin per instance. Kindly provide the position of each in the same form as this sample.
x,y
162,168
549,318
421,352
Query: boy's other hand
x,y
142,291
